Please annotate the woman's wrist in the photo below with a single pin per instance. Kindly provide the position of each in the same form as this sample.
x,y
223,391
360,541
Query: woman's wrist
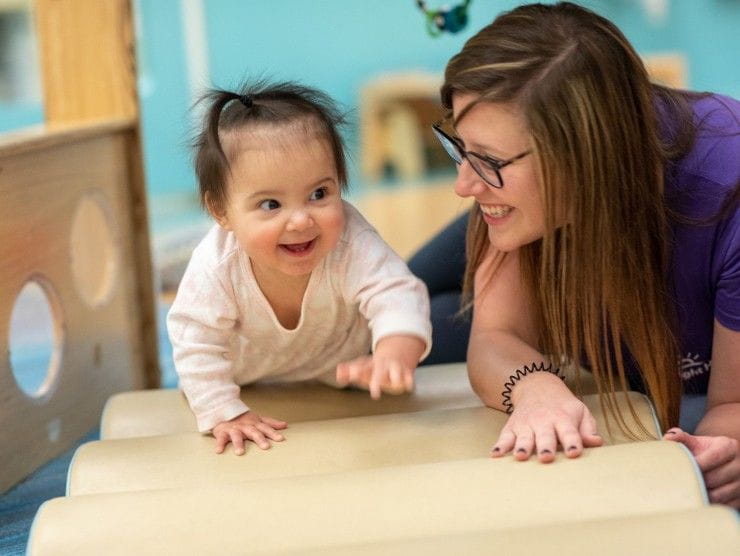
x,y
532,381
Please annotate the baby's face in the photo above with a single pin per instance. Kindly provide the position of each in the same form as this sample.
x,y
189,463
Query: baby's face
x,y
284,202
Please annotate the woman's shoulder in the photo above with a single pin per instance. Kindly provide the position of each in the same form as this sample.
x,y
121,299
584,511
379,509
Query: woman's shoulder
x,y
713,155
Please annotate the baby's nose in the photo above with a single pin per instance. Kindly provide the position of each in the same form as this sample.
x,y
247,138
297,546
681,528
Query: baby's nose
x,y
300,220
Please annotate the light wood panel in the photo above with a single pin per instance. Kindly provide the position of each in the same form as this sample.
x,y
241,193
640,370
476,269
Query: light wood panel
x,y
100,349
87,59
88,151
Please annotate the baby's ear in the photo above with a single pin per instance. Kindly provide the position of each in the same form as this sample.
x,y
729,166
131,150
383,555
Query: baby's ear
x,y
217,210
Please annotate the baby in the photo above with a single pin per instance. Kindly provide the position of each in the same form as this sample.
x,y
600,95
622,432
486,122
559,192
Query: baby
x,y
291,283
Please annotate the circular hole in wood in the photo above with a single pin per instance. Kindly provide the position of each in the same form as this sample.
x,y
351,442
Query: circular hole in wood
x,y
35,338
93,250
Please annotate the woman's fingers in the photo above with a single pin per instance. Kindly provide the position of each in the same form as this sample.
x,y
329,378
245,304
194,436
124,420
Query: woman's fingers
x,y
570,439
524,444
588,430
545,443
504,444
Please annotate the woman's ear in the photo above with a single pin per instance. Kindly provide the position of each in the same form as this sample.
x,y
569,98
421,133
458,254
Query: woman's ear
x,y
217,211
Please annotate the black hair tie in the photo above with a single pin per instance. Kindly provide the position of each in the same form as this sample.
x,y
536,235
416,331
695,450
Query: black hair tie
x,y
246,100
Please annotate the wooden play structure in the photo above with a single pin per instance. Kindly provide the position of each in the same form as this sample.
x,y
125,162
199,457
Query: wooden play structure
x,y
404,475
74,221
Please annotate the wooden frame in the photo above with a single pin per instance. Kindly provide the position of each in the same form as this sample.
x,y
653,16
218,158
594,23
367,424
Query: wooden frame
x,y
74,216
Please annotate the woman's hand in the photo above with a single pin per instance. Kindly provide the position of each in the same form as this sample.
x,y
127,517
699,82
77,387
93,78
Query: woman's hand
x,y
251,426
546,414
718,457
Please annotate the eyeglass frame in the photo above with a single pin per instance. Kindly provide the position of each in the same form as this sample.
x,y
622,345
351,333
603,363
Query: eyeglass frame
x,y
494,164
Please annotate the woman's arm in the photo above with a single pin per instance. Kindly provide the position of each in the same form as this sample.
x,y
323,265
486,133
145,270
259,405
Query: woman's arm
x,y
503,340
715,445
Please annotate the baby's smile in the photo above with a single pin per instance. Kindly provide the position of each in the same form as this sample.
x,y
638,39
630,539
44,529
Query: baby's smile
x,y
299,249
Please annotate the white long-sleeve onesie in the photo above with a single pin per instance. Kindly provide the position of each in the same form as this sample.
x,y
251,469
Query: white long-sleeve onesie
x,y
225,334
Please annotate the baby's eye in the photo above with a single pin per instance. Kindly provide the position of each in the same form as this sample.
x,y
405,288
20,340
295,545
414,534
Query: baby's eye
x,y
269,204
318,194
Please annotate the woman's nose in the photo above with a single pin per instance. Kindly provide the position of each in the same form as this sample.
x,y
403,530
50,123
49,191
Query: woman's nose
x,y
468,182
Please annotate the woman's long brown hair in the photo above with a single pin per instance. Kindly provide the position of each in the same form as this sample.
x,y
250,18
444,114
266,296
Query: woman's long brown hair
x,y
600,280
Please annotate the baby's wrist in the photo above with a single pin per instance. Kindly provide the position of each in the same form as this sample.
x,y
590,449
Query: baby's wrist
x,y
401,346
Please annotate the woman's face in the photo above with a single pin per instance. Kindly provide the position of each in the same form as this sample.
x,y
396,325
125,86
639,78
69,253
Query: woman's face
x,y
514,213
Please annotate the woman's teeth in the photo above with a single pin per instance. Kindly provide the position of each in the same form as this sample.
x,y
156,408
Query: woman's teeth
x,y
496,211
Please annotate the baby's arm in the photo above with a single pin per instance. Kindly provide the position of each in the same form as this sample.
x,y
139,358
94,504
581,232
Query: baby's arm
x,y
396,305
201,324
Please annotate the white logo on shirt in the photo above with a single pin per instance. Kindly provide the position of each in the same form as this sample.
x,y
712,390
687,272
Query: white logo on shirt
x,y
692,366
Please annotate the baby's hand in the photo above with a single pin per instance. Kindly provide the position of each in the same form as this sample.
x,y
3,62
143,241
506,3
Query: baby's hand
x,y
251,426
390,369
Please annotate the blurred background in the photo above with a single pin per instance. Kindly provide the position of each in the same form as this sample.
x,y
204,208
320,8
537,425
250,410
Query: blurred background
x,y
376,58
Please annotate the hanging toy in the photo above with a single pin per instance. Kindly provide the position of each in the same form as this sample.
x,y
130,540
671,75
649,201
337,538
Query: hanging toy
x,y
445,18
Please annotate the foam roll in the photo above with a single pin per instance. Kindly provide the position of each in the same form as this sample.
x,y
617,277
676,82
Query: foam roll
x,y
331,446
386,504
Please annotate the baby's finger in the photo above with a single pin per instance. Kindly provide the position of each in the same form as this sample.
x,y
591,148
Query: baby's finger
x,y
408,379
376,380
269,432
396,378
504,444
343,374
237,441
524,444
256,436
222,439
570,439
275,423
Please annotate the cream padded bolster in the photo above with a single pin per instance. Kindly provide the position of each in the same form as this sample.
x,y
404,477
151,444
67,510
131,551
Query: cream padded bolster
x,y
310,448
673,533
158,412
372,505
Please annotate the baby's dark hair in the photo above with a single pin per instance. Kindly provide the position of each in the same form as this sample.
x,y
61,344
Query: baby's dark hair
x,y
254,105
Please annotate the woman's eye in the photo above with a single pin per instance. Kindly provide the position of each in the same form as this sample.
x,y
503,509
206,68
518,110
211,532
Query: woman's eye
x,y
319,194
269,204
492,163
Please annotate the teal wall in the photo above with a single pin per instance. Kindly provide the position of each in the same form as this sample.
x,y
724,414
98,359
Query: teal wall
x,y
337,45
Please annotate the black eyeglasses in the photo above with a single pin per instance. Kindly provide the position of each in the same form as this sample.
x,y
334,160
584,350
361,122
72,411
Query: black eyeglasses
x,y
489,169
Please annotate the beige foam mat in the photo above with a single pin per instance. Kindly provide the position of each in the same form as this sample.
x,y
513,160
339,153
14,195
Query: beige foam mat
x,y
713,530
373,505
158,412
310,448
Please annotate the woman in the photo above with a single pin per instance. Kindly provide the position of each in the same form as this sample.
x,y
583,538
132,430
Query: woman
x,y
605,233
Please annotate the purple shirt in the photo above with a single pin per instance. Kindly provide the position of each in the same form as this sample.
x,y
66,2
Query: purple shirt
x,y
705,259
